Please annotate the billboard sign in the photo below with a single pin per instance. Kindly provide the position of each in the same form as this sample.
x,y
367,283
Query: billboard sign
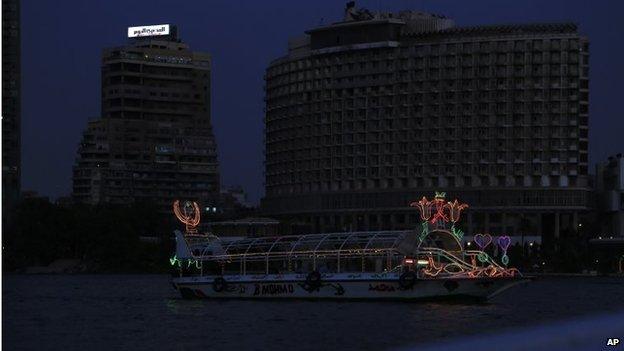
x,y
148,31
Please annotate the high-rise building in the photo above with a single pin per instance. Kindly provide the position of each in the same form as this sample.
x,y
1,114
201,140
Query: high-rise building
x,y
154,141
368,114
11,107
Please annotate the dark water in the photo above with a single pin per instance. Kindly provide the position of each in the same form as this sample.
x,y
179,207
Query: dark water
x,y
137,312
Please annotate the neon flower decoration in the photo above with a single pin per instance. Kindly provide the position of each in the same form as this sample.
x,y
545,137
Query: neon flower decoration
x,y
455,209
504,242
475,263
424,207
189,214
440,204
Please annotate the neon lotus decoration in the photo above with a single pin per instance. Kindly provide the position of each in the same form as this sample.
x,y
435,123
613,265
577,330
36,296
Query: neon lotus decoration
x,y
424,207
455,209
450,212
189,214
441,216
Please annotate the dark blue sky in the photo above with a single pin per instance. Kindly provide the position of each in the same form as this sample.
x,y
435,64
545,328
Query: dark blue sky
x,y
62,42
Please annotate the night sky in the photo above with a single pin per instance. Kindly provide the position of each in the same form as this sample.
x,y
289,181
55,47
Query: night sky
x,y
62,43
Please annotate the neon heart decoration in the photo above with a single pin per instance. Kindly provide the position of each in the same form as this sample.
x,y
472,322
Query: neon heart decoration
x,y
483,240
504,242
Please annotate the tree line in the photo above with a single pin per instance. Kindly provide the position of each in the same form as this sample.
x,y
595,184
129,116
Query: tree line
x,y
105,238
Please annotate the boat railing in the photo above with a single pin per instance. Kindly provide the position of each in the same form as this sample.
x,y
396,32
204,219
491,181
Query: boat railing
x,y
281,255
288,257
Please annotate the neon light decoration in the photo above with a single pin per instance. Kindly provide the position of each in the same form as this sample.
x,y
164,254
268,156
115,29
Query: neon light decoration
x,y
189,214
424,207
440,205
504,242
455,209
483,240
456,263
458,233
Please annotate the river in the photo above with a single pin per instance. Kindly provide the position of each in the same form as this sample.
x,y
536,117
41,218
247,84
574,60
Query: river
x,y
143,312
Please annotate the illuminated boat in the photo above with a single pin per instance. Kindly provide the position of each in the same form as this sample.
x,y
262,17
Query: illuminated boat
x,y
426,264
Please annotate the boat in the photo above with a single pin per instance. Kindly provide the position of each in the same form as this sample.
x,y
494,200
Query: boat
x,y
426,264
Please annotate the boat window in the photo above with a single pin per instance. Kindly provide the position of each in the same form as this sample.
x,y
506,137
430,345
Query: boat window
x,y
278,266
302,265
396,261
351,264
211,268
233,267
374,264
256,267
325,264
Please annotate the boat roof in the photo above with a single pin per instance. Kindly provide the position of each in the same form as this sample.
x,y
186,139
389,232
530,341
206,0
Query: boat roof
x,y
313,243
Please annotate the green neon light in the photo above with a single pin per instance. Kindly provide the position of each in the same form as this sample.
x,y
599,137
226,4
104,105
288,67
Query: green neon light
x,y
483,257
175,260
424,232
505,260
191,261
458,233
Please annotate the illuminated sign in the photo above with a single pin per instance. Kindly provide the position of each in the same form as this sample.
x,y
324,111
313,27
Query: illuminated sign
x,y
148,31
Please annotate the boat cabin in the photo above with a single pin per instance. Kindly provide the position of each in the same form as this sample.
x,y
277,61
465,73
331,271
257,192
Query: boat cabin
x,y
354,252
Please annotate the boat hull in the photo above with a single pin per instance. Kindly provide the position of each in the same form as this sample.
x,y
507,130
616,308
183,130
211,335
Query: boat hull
x,y
341,286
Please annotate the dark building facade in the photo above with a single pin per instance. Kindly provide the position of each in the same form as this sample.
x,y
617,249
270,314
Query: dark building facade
x,y
610,197
11,106
366,115
154,141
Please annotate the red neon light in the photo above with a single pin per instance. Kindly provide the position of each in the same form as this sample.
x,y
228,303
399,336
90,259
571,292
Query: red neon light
x,y
440,204
424,207
455,209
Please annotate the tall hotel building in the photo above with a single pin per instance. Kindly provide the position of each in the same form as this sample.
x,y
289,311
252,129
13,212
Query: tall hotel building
x,y
366,115
154,141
